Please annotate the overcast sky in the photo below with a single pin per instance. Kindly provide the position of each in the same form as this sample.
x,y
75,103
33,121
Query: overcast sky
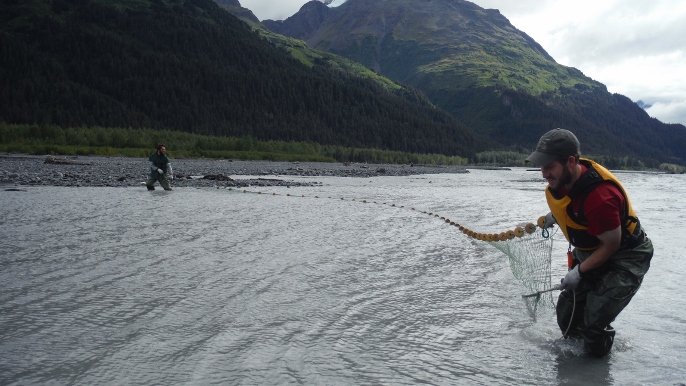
x,y
635,47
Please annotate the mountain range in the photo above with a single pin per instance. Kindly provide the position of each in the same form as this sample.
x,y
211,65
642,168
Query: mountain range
x,y
443,76
475,64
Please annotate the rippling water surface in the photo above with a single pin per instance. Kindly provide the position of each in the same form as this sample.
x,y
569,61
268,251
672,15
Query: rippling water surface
x,y
202,286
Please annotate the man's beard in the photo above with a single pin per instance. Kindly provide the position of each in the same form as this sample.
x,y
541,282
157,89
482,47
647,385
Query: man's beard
x,y
565,178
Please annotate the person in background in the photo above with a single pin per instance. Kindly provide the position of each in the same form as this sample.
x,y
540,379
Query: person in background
x,y
160,169
609,252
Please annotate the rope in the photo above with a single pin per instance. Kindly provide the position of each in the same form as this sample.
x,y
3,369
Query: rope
x,y
571,317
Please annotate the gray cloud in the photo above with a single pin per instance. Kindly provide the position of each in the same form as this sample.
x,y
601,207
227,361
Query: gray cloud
x,y
669,111
275,10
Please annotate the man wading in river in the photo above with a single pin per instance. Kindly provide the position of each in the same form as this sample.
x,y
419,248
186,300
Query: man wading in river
x,y
160,169
611,251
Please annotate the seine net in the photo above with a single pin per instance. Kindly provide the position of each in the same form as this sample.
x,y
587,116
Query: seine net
x,y
529,249
530,263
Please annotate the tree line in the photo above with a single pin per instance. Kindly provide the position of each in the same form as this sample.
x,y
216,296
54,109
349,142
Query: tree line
x,y
55,140
190,66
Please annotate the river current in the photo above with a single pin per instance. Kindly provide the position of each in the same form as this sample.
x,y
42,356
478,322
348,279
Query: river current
x,y
345,286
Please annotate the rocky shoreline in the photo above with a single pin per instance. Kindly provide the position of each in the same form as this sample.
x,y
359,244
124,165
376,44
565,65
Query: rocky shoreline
x,y
18,170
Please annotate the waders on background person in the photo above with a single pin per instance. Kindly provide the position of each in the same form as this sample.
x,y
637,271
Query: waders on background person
x,y
160,169
609,253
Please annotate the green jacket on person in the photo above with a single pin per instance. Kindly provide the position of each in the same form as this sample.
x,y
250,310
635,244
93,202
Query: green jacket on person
x,y
159,161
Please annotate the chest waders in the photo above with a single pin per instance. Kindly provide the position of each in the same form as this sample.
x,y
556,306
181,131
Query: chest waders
x,y
159,161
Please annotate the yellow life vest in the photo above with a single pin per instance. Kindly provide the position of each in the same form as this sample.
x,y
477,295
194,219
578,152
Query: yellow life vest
x,y
574,226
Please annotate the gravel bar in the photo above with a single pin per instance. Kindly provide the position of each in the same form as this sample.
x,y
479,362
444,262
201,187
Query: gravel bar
x,y
18,170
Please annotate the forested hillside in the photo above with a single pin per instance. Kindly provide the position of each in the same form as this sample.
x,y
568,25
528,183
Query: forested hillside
x,y
189,65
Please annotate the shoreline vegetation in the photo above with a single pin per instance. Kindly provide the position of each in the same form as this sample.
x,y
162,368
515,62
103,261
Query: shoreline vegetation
x,y
137,143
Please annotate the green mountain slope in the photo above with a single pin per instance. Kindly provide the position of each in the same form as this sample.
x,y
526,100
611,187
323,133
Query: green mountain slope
x,y
234,7
439,44
473,63
190,65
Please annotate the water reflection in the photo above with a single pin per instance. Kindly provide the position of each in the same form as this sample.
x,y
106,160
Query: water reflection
x,y
583,370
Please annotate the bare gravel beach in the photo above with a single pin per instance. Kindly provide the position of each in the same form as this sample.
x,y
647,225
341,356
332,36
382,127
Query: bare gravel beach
x,y
18,170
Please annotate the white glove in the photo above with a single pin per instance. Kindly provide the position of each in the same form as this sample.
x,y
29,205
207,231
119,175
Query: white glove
x,y
549,220
572,279
170,177
160,171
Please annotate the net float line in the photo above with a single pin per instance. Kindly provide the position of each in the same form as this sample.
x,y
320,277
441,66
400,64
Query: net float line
x,y
509,234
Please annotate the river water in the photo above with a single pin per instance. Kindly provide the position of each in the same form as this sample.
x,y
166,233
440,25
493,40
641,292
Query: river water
x,y
211,286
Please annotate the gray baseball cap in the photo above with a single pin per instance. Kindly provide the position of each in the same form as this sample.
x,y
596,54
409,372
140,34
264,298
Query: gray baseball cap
x,y
554,144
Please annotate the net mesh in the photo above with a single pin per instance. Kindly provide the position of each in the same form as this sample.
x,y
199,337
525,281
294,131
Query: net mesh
x,y
530,263
529,249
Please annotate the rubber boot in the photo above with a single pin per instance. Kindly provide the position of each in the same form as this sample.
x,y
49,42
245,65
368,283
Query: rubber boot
x,y
602,342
